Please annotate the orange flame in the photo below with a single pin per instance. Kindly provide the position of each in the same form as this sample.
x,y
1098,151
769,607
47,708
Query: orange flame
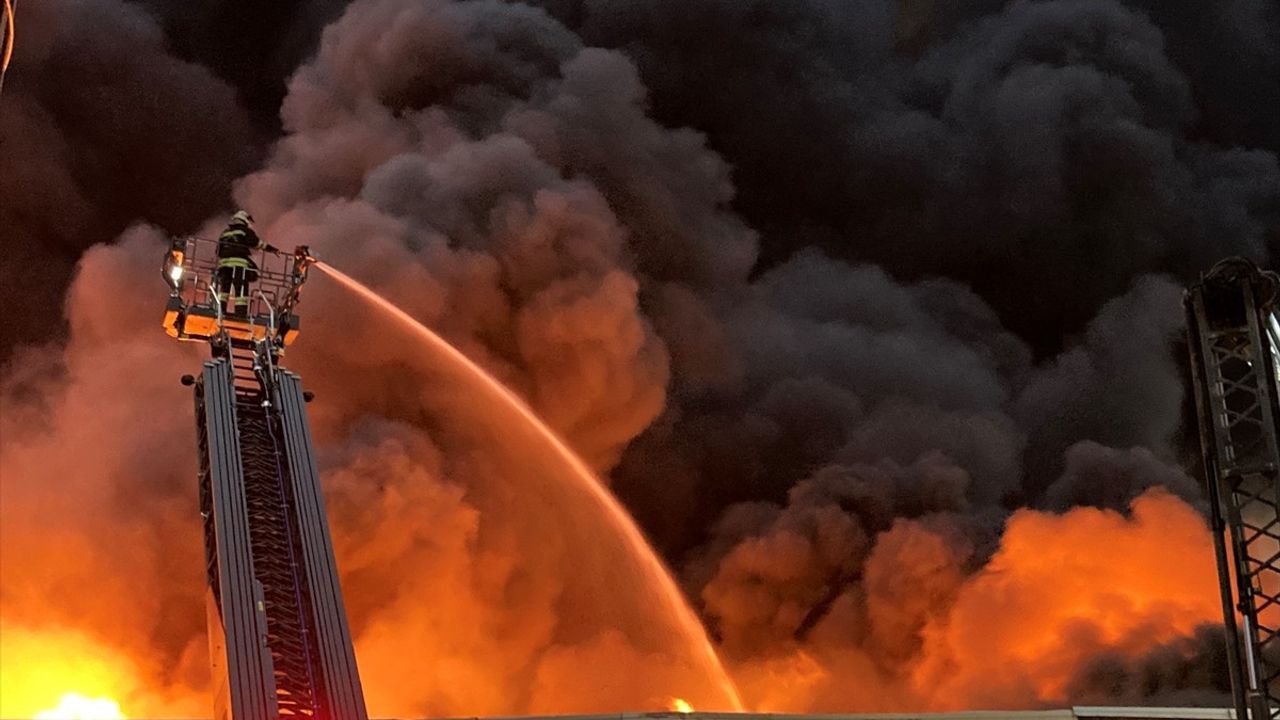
x,y
75,706
51,673
41,666
1061,590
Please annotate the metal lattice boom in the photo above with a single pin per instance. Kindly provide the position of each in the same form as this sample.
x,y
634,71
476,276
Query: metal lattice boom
x,y
1232,333
280,646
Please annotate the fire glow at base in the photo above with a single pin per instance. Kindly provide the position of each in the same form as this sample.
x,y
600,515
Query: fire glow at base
x,y
74,706
68,675
1057,567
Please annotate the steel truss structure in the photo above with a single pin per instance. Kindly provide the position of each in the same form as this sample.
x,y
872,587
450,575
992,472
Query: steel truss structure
x,y
1233,331
280,645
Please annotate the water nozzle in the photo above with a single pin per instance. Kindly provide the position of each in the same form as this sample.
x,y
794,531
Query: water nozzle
x,y
303,254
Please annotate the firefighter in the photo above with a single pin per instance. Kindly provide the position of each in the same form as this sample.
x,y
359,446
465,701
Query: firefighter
x,y
236,269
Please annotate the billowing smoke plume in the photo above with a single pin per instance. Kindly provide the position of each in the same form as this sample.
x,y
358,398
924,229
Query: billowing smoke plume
x,y
866,310
100,126
1045,152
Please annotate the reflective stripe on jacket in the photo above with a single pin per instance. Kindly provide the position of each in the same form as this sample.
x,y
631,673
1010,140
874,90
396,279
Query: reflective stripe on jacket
x,y
238,241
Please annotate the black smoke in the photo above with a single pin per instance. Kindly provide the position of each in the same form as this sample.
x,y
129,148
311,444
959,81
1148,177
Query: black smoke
x,y
101,126
1043,152
820,286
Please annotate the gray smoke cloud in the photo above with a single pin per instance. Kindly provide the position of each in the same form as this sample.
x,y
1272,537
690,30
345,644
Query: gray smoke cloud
x,y
863,309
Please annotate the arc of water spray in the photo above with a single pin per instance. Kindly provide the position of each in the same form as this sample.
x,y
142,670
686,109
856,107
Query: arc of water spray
x,y
652,565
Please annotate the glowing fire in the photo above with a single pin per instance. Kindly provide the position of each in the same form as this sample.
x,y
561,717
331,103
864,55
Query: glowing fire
x,y
56,673
41,666
1061,590
1064,571
680,705
75,706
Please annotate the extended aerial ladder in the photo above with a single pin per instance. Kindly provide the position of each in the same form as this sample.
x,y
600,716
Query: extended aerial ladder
x,y
1233,331
280,645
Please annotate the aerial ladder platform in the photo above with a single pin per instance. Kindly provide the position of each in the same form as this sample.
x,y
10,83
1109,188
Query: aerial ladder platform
x,y
1233,334
280,644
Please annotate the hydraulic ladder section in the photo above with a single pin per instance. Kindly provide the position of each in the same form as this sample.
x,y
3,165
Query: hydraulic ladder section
x,y
1232,332
280,645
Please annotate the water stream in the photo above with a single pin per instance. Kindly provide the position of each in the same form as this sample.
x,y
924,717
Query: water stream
x,y
655,572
